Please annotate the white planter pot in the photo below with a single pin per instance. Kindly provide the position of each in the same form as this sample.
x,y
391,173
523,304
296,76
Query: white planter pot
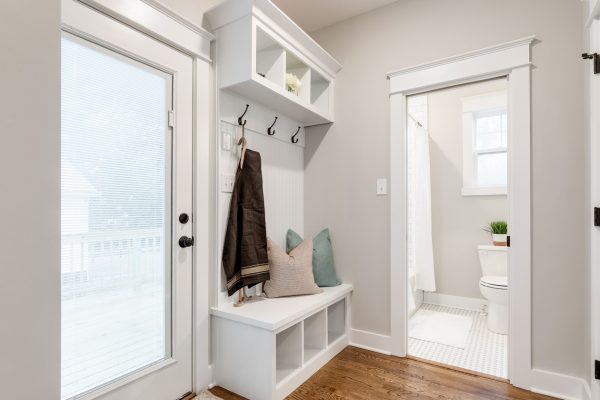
x,y
499,239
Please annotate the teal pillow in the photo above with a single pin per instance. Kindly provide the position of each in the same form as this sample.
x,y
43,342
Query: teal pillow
x,y
323,266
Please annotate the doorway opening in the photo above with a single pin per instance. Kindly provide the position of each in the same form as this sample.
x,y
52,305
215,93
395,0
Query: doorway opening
x,y
457,204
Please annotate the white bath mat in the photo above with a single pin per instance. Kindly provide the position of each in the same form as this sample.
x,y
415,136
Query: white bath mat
x,y
438,327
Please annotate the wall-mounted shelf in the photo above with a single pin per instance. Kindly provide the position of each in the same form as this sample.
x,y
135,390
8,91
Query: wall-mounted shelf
x,y
257,45
274,345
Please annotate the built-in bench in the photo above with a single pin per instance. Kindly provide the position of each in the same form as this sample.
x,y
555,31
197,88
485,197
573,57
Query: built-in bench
x,y
268,347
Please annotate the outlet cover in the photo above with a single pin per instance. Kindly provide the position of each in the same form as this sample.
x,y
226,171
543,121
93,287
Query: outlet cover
x,y
382,187
227,183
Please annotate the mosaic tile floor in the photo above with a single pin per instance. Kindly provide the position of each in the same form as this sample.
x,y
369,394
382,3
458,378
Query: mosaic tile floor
x,y
485,352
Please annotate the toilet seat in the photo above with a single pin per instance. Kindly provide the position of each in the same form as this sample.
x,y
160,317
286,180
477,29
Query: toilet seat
x,y
494,282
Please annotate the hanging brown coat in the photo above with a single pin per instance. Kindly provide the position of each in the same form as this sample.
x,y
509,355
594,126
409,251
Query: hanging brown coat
x,y
245,249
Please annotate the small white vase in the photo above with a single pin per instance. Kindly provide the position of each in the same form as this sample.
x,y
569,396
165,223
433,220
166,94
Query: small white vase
x,y
499,239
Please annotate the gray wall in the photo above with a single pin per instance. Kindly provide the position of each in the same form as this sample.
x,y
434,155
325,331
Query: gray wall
x,y
30,200
456,219
343,163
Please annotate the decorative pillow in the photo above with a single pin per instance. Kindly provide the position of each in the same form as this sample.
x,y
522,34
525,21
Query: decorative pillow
x,y
291,275
322,261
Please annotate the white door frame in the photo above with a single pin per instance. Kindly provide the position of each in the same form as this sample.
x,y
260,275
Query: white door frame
x,y
511,59
593,81
161,23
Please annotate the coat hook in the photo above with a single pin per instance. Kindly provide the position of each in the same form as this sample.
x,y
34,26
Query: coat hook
x,y
270,130
240,121
294,140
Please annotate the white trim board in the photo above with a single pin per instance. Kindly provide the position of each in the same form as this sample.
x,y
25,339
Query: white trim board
x,y
511,59
158,21
370,341
448,300
559,385
593,83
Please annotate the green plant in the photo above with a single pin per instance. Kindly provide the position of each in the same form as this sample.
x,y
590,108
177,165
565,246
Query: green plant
x,y
497,228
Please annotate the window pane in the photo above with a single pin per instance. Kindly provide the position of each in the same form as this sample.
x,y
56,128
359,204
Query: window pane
x,y
115,231
491,169
490,130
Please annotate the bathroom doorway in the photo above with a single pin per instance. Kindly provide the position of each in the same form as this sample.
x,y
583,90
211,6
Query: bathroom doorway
x,y
513,61
457,231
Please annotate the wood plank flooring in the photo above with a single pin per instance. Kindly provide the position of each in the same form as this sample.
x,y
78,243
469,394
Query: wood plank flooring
x,y
360,374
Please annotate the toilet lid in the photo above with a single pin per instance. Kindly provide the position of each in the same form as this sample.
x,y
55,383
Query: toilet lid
x,y
495,282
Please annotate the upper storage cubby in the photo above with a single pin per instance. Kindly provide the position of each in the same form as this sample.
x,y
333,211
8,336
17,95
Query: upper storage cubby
x,y
263,56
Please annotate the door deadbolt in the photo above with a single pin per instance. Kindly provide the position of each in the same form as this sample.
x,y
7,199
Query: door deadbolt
x,y
184,218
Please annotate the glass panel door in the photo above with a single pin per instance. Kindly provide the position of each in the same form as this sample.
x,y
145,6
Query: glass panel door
x,y
116,216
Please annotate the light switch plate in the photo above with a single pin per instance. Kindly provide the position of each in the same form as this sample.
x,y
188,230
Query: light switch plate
x,y
382,187
227,183
226,137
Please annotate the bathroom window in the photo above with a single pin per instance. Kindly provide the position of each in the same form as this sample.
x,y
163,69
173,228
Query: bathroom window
x,y
485,147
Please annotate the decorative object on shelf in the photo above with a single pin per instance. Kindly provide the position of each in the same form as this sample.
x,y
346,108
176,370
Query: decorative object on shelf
x,y
292,83
291,274
499,232
245,260
270,130
294,140
323,265
242,121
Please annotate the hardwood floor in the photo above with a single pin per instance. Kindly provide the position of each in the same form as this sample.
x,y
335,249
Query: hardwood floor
x,y
360,374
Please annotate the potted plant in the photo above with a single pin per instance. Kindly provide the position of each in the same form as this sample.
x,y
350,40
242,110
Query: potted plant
x,y
499,231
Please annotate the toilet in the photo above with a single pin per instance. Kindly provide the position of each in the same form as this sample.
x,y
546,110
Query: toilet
x,y
494,285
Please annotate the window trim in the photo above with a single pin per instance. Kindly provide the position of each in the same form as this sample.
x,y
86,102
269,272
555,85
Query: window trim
x,y
472,106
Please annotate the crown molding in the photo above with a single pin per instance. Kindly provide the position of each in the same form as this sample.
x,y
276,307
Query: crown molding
x,y
464,56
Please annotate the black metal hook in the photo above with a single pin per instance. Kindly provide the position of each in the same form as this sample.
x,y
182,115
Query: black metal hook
x,y
240,122
270,130
294,140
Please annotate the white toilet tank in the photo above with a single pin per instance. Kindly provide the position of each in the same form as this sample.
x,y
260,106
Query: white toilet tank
x,y
493,260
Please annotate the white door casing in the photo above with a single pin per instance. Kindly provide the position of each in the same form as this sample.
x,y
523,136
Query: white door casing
x,y
594,100
512,60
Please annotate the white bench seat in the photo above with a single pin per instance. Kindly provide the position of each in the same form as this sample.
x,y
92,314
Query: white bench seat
x,y
268,347
274,314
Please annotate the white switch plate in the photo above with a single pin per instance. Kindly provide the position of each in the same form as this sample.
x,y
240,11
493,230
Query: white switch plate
x,y
226,136
382,189
227,183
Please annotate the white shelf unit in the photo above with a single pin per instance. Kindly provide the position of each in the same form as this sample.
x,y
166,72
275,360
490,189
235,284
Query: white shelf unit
x,y
257,45
267,348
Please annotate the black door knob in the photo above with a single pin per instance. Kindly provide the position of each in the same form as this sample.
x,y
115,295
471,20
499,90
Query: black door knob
x,y
185,241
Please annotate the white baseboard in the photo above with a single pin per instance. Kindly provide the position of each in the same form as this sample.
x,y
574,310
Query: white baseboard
x,y
371,341
448,300
560,386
